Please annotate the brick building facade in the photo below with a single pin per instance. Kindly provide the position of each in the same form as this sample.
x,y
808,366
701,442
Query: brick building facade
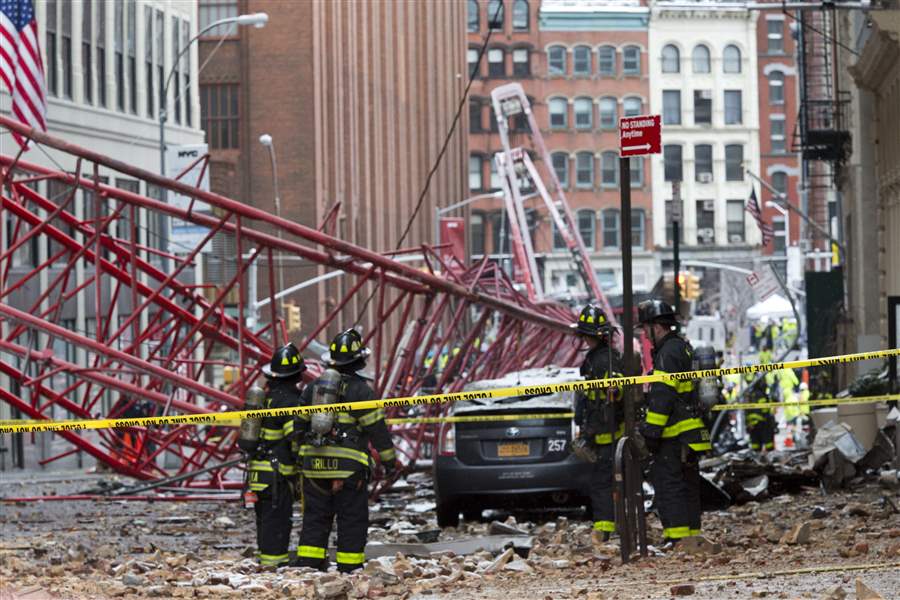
x,y
358,97
584,65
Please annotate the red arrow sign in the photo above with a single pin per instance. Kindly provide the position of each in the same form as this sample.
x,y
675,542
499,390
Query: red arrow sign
x,y
639,135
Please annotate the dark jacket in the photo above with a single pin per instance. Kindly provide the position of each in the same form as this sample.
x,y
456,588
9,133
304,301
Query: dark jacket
x,y
671,409
274,451
600,420
347,449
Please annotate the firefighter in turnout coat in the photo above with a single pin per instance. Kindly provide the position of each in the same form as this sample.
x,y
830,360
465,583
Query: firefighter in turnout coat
x,y
335,458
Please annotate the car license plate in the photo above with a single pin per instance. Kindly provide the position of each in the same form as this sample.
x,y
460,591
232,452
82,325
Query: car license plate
x,y
506,450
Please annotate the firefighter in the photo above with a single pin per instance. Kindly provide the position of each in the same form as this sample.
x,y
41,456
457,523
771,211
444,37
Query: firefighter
x,y
335,458
673,429
271,468
760,421
599,415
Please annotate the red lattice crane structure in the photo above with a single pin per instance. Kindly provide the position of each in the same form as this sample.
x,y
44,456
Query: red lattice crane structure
x,y
157,335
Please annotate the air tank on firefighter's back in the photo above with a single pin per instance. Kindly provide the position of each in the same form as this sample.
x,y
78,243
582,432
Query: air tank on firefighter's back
x,y
250,427
328,391
708,388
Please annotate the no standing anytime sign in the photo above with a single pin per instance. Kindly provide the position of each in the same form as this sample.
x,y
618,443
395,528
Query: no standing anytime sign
x,y
639,135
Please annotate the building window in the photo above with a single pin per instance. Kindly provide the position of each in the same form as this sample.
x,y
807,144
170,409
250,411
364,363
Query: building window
x,y
496,182
734,213
734,109
87,64
559,243
500,232
581,61
586,222
472,15
472,57
101,53
120,54
50,43
700,59
734,162
186,72
609,169
520,121
521,62
775,31
559,109
777,134
672,168
671,107
609,108
560,162
606,64
776,87
584,113
159,30
496,62
176,77
476,173
210,11
148,59
219,113
66,49
520,15
671,59
731,59
780,183
636,166
476,233
779,241
703,163
631,60
584,170
131,48
475,111
495,14
556,60
611,228
631,106
637,228
702,107
706,222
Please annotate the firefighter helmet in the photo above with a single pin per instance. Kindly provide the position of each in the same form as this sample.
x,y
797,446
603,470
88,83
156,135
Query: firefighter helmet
x,y
286,362
347,347
592,321
656,311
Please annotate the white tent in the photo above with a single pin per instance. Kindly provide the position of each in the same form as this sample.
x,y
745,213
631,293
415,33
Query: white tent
x,y
774,306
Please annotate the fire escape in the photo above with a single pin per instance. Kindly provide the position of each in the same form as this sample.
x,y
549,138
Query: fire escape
x,y
821,134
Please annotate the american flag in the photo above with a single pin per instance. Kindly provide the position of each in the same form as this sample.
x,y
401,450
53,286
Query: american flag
x,y
766,229
21,67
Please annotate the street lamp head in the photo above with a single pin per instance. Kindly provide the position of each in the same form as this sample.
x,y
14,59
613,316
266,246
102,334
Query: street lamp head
x,y
266,140
258,20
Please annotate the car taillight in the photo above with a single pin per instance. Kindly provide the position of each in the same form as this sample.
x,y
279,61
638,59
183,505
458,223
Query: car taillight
x,y
448,440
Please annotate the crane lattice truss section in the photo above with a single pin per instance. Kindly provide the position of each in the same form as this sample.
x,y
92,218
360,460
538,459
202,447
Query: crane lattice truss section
x,y
158,333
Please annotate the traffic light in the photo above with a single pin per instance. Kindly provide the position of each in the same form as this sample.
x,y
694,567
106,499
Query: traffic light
x,y
682,284
229,374
692,286
293,317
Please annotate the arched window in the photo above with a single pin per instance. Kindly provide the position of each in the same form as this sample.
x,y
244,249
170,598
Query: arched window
x,y
476,172
556,60
559,113
586,226
584,170
776,87
637,228
476,233
496,62
560,162
584,113
606,65
609,108
609,169
731,59
495,14
581,60
631,60
472,15
631,106
611,228
520,15
700,59
671,59
780,182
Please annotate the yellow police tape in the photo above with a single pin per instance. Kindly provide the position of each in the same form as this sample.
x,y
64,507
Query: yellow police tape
x,y
823,402
522,390
480,418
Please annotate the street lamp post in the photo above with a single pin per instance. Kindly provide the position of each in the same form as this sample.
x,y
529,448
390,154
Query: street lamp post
x,y
266,140
258,20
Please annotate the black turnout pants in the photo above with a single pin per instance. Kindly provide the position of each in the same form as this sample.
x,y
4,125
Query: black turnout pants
x,y
601,488
274,507
675,474
321,505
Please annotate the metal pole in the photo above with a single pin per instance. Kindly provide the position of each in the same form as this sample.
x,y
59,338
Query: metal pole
x,y
676,240
627,300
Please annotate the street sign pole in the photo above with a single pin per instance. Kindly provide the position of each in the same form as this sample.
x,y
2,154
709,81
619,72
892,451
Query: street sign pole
x,y
676,240
627,298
